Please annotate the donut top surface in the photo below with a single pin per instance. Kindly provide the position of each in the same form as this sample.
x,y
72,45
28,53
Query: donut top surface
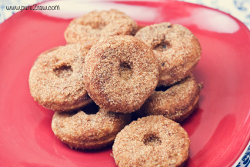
x,y
83,128
56,78
95,25
175,102
171,42
121,72
176,47
151,141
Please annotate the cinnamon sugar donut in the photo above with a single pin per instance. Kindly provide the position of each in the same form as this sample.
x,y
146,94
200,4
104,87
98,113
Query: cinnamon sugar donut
x,y
56,79
176,47
151,141
88,130
95,25
176,103
121,72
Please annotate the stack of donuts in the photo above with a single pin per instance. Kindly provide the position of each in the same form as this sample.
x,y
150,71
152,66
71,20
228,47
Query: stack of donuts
x,y
112,68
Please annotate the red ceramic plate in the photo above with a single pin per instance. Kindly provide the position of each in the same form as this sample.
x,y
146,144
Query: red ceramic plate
x,y
218,129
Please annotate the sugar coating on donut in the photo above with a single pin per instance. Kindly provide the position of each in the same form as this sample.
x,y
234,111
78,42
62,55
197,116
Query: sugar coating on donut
x,y
56,78
176,47
95,25
121,72
88,131
176,102
151,141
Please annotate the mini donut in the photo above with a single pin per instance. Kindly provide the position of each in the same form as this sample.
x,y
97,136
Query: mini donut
x,y
95,25
121,72
151,141
176,47
176,103
56,78
82,130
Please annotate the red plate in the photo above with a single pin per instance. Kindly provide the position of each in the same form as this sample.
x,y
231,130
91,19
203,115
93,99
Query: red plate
x,y
218,129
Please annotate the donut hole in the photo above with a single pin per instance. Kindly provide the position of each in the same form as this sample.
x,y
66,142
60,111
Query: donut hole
x,y
162,88
91,109
162,47
151,139
170,26
63,71
125,71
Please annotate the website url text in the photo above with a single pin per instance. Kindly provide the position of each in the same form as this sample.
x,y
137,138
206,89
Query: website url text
x,y
33,7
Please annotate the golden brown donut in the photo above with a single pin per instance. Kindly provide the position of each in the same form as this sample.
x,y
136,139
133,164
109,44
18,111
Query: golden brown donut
x,y
176,103
176,47
56,78
151,141
95,25
88,130
121,72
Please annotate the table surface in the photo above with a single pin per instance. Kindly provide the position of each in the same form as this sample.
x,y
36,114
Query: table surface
x,y
239,9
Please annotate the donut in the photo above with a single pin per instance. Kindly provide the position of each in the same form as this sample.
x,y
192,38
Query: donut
x,y
121,72
93,129
176,47
56,78
95,25
176,103
151,141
